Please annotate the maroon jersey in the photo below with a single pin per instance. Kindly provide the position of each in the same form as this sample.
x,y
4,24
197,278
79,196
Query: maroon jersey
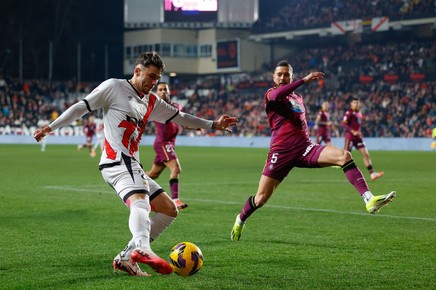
x,y
324,118
167,132
290,142
287,119
352,121
89,129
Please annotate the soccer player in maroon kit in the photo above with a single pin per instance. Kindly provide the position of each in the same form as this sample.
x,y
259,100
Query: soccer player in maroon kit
x,y
164,146
323,123
291,147
89,129
352,122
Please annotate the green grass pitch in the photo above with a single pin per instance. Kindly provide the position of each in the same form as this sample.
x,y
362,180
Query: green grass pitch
x,y
61,225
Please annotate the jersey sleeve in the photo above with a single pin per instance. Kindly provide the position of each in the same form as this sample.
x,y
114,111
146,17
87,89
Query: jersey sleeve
x,y
73,113
279,93
344,123
191,121
95,100
98,98
162,111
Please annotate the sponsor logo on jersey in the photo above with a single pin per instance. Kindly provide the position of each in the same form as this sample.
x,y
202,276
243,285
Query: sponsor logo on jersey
x,y
295,106
308,149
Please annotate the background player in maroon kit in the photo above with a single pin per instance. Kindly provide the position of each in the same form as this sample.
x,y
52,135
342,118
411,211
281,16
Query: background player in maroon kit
x,y
89,129
164,146
323,124
291,147
353,136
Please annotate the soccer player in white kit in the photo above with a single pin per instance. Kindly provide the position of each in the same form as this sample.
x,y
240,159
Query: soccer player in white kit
x,y
127,107
99,133
43,122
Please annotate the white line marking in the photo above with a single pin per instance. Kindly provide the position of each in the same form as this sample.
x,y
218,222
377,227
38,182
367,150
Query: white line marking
x,y
70,188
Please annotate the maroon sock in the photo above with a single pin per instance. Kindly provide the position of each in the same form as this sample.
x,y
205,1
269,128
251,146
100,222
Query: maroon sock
x,y
248,209
355,177
174,187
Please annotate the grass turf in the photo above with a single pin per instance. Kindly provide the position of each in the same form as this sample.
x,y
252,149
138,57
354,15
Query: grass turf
x,y
61,225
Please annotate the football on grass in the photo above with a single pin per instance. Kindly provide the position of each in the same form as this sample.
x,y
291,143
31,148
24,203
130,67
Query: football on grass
x,y
186,259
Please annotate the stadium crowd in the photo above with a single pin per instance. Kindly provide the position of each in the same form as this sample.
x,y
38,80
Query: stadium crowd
x,y
390,110
305,14
401,107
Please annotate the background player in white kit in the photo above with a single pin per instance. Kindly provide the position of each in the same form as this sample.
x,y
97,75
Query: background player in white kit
x,y
127,107
99,134
41,123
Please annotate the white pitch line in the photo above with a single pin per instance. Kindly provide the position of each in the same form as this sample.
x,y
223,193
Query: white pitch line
x,y
69,188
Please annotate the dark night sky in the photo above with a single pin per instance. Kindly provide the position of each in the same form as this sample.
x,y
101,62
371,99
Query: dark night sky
x,y
93,23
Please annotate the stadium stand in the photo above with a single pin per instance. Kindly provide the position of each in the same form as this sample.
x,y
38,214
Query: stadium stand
x,y
395,79
305,14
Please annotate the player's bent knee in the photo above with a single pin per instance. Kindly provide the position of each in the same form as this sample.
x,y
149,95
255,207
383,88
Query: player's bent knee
x,y
169,210
173,212
343,157
346,156
153,175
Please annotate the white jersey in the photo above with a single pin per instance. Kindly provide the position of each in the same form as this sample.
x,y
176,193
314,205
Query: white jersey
x,y
125,115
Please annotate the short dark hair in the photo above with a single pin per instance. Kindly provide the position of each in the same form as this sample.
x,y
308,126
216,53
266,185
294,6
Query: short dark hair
x,y
283,63
150,58
160,83
354,99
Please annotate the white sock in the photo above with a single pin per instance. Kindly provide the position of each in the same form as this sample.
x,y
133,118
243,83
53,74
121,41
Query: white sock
x,y
159,222
367,195
238,220
125,254
139,223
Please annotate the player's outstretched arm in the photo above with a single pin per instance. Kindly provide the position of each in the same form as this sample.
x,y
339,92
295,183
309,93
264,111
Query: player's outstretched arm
x,y
191,121
70,115
41,133
317,75
224,123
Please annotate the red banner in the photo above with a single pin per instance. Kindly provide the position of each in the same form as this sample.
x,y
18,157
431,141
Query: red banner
x,y
417,77
391,78
366,79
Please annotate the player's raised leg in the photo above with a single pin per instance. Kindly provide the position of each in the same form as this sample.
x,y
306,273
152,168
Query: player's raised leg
x,y
334,156
377,202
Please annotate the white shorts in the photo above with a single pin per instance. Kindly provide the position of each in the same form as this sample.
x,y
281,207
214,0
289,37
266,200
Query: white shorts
x,y
130,179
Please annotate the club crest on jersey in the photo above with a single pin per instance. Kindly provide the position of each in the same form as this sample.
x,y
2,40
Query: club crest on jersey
x,y
295,106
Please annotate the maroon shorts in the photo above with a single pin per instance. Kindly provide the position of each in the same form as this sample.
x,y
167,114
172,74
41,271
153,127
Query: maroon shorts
x,y
323,138
89,139
279,164
164,153
353,141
